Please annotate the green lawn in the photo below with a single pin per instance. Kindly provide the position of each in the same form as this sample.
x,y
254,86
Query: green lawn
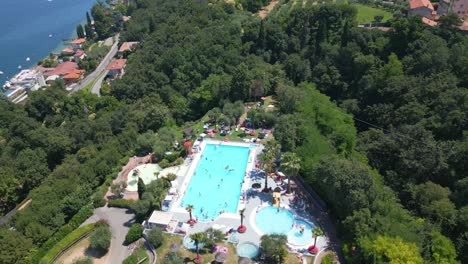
x,y
366,14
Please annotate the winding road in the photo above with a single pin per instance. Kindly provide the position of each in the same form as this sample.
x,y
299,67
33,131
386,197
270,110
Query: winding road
x,y
101,68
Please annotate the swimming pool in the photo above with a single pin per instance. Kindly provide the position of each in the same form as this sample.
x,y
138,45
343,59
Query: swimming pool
x,y
247,249
215,185
270,221
301,234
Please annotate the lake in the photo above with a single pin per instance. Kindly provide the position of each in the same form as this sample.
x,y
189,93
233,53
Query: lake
x,y
25,26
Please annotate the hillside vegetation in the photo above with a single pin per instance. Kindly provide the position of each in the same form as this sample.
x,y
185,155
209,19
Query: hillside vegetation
x,y
377,118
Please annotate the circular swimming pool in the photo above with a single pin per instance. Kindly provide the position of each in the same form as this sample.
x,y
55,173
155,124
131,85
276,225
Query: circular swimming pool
x,y
271,221
247,249
190,243
301,233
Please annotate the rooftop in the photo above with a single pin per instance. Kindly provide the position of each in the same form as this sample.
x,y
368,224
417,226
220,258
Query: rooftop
x,y
67,50
429,22
128,46
117,64
160,218
78,41
63,69
79,53
420,3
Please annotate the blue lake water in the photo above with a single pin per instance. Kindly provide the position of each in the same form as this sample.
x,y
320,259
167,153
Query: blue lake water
x,y
216,183
25,26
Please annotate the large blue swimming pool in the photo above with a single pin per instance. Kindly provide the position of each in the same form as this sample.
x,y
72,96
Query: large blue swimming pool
x,y
215,186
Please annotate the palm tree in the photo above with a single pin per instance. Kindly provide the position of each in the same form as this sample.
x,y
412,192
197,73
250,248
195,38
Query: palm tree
x,y
197,239
268,159
242,228
290,164
316,232
189,209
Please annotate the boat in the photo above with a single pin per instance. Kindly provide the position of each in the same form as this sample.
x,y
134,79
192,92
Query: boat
x,y
28,59
1,72
19,67
50,35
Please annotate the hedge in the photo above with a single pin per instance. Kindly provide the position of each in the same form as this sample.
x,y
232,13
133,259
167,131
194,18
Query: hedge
x,y
66,242
84,213
120,203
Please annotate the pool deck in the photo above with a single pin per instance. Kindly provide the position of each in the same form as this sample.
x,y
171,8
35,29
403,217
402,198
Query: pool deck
x,y
257,200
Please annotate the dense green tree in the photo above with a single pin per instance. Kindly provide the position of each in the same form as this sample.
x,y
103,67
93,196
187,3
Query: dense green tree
x,y
134,233
14,247
155,237
80,31
100,238
274,247
392,250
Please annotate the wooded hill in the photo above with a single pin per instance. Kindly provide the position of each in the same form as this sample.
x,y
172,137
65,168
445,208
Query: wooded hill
x,y
378,119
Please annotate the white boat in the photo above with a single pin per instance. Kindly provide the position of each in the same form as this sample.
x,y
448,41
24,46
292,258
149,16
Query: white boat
x,y
28,59
50,35
19,67
1,72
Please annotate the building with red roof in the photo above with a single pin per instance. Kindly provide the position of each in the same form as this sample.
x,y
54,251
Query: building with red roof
x,y
421,7
62,69
73,76
77,43
79,55
116,68
128,46
429,22
67,51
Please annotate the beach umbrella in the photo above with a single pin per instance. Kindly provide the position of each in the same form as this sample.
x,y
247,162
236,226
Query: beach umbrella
x,y
244,260
187,144
202,135
220,257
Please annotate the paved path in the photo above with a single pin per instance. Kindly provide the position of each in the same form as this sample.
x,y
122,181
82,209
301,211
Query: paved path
x,y
100,68
119,221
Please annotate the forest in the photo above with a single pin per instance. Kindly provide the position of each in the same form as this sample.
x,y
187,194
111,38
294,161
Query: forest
x,y
379,120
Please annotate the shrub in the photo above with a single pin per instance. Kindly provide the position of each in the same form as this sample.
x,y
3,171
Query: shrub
x,y
120,203
155,237
171,158
179,161
164,164
171,176
134,233
132,259
83,260
101,237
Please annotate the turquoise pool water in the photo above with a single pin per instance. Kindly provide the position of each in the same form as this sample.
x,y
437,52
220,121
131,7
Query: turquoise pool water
x,y
247,249
301,234
270,221
215,186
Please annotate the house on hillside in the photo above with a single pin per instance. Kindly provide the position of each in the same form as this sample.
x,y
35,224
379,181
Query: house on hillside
x,y
79,55
127,47
73,76
77,43
68,71
421,7
68,51
458,7
116,68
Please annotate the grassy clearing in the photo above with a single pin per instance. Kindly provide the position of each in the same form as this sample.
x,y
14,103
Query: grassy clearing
x,y
208,257
183,253
366,14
